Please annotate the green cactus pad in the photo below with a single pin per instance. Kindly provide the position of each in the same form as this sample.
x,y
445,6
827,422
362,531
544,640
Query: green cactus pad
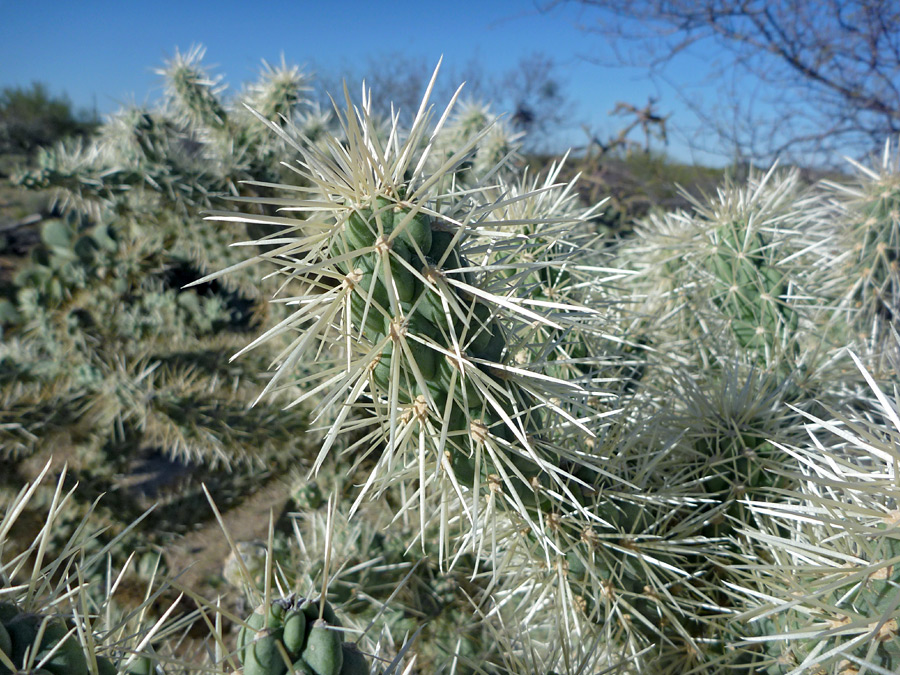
x,y
310,608
441,242
493,350
261,656
416,230
431,307
254,624
301,667
360,232
85,248
22,631
425,357
383,211
105,237
381,373
294,631
463,465
323,651
8,612
402,279
481,328
447,368
370,302
69,659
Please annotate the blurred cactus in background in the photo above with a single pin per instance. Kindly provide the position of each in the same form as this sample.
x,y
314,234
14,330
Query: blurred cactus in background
x,y
107,363
860,268
727,272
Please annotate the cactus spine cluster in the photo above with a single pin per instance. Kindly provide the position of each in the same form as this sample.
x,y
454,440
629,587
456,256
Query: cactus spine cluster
x,y
429,308
827,598
752,290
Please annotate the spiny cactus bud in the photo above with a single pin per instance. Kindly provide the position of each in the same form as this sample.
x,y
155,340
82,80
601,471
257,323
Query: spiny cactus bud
x,y
191,90
294,630
323,651
292,625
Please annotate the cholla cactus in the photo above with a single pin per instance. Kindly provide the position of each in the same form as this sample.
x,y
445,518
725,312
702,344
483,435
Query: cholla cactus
x,y
76,172
729,346
718,292
453,324
192,92
416,299
389,591
315,124
105,358
729,326
825,585
186,154
86,292
729,269
860,270
279,93
466,325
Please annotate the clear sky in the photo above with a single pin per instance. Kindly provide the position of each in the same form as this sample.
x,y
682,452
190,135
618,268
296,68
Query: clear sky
x,y
104,53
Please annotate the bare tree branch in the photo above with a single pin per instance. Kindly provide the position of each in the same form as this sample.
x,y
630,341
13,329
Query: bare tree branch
x,y
830,68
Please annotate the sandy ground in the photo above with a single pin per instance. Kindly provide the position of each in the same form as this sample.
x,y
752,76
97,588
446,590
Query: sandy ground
x,y
202,553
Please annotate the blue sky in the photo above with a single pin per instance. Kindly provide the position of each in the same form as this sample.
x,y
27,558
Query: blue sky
x,y
106,52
